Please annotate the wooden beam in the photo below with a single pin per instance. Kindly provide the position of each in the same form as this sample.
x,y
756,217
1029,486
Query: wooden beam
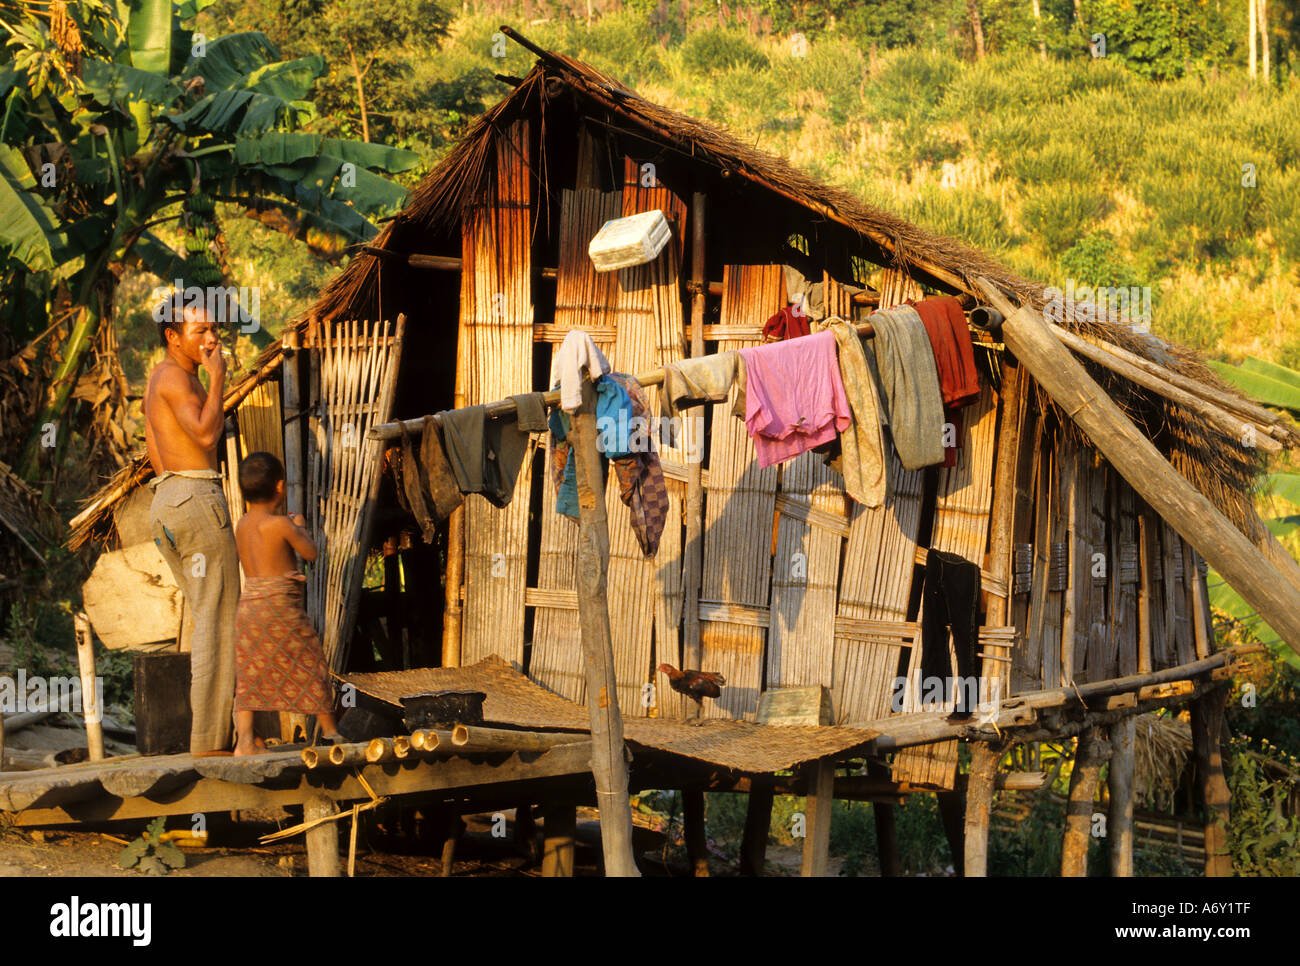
x,y
1119,781
609,761
984,758
559,825
817,818
1207,730
1168,492
887,839
1093,749
758,825
697,842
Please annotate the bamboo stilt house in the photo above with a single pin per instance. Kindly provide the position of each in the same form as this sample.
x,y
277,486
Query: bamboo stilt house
x,y
1088,573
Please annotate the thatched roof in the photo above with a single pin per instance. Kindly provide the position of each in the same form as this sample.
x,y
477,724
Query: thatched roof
x,y
1211,460
1214,462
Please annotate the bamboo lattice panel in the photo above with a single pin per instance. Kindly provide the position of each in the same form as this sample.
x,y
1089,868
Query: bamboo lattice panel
x,y
738,513
495,360
584,299
353,375
963,503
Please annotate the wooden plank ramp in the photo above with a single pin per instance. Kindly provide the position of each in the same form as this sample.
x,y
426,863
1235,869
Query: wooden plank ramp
x,y
495,360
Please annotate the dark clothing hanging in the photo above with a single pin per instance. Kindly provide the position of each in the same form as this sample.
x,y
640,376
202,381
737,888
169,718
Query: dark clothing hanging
x,y
426,485
485,454
950,601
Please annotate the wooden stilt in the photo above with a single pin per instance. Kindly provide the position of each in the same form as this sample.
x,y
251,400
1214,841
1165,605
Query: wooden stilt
x,y
559,824
817,813
1093,749
1119,781
608,758
1207,731
454,827
697,843
758,823
887,839
323,840
984,758
526,832
951,810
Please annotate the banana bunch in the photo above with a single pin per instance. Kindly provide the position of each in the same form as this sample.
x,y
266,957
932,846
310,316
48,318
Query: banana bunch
x,y
199,220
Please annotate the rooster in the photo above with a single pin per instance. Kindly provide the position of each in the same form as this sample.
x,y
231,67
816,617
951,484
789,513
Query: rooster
x,y
694,684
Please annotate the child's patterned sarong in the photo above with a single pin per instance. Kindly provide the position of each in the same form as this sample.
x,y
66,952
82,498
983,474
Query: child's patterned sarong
x,y
279,663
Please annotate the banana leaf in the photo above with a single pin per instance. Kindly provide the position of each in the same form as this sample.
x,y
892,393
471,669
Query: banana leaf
x,y
29,229
1226,600
149,32
1284,485
110,82
1264,388
1272,370
286,147
289,80
191,8
240,113
155,256
229,60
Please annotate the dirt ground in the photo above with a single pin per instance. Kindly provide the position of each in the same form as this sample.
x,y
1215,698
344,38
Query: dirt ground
x,y
235,852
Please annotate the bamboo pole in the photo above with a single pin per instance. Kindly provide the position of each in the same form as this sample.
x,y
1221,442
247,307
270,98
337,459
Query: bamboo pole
x,y
455,580
609,764
1197,520
1092,750
90,696
1271,422
694,473
1119,780
984,758
477,738
1233,426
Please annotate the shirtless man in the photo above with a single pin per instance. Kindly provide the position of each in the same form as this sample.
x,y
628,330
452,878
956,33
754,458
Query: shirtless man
x,y
189,518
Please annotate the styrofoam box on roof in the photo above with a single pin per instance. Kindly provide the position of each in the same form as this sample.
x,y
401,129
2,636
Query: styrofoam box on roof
x,y
629,241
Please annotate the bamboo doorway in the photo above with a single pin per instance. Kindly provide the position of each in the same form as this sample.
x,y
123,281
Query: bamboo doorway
x,y
353,376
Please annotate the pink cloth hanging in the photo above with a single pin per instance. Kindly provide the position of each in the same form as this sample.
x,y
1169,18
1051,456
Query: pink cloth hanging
x,y
794,397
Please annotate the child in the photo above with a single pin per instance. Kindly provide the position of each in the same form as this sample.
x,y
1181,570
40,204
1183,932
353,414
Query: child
x,y
279,664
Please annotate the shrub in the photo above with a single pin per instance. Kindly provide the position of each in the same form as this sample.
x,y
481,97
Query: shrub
x,y
717,49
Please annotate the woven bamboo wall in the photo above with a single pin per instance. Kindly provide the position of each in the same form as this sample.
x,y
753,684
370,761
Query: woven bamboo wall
x,y
584,299
495,360
739,505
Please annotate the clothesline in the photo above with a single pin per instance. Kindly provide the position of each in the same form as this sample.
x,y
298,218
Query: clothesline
x,y
506,407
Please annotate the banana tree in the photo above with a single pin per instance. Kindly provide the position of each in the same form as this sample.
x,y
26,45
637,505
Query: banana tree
x,y
115,113
1279,493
